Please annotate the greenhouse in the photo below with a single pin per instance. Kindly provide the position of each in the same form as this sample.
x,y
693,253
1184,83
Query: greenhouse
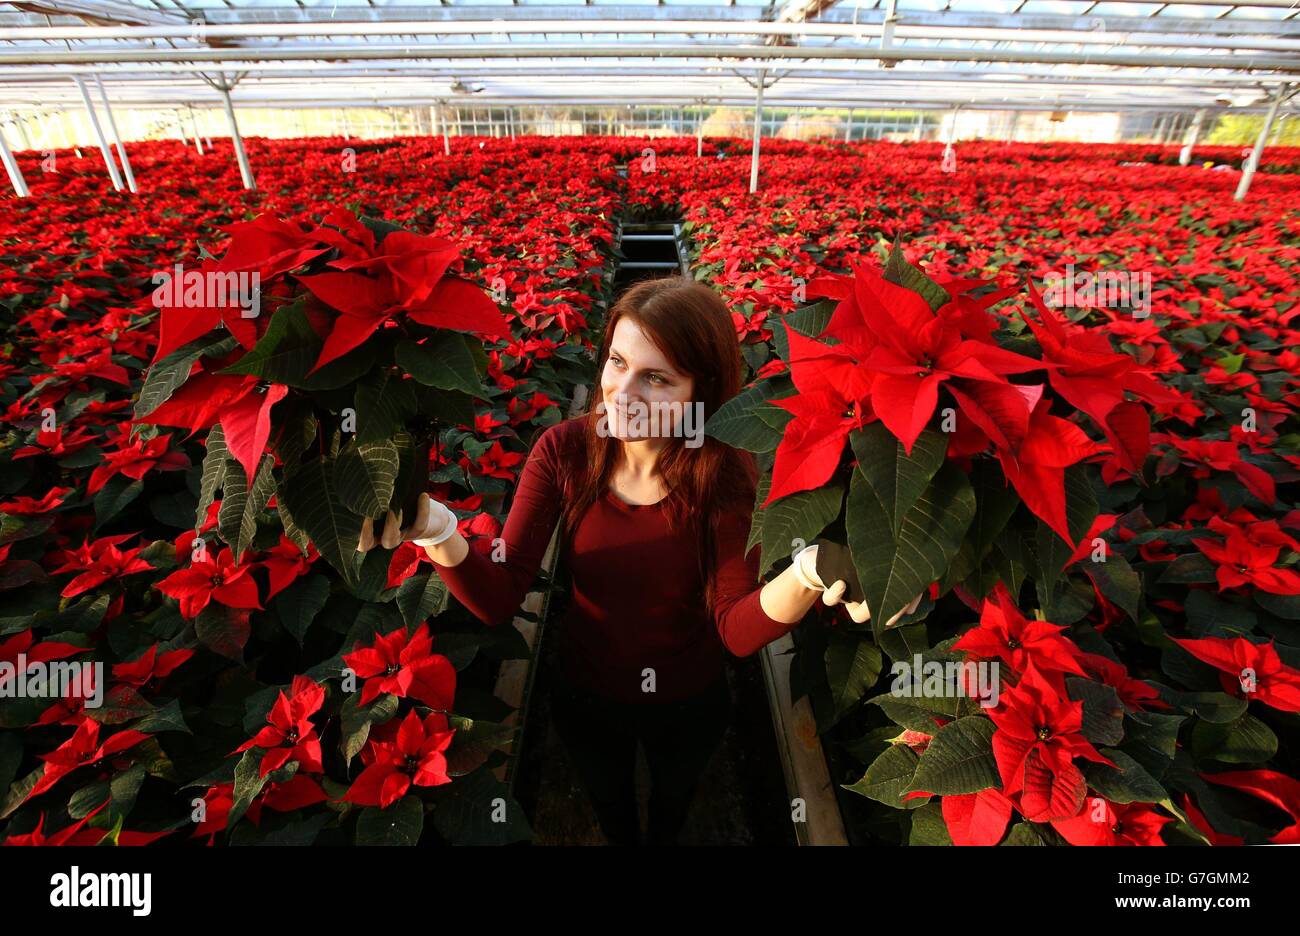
x,y
872,423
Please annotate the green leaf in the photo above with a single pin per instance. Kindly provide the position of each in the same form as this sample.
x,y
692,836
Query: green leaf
x,y
420,597
1103,712
810,321
474,742
852,667
888,778
384,404
298,605
736,423
894,569
901,273
958,759
1216,707
399,824
310,494
214,473
800,516
248,783
241,506
479,809
223,630
445,362
1130,784
166,718
1118,582
928,826
114,497
355,721
365,473
167,375
1244,741
897,479
285,352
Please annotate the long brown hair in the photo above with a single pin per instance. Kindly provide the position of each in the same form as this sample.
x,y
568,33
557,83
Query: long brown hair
x,y
693,328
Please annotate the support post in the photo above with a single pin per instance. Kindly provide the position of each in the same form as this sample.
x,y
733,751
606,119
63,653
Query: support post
x,y
99,134
1193,135
441,115
758,131
22,131
1252,164
11,167
194,127
699,132
245,170
117,139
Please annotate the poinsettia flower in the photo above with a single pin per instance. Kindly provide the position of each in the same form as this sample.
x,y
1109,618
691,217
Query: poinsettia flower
x,y
284,563
1102,822
33,507
1007,635
412,280
1219,456
414,757
289,733
1240,562
824,415
496,462
109,564
56,444
137,458
1037,470
217,803
150,667
83,749
1134,693
183,320
24,643
913,351
208,580
1094,378
297,792
76,833
240,403
1039,735
77,372
977,818
1248,669
1272,787
404,666
1259,532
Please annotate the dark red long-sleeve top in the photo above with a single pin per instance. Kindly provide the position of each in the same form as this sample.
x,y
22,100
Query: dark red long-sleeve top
x,y
636,585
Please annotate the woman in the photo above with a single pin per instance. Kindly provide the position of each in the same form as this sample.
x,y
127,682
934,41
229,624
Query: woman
x,y
655,520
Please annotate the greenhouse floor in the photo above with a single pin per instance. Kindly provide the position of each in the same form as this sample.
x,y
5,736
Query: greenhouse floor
x,y
741,800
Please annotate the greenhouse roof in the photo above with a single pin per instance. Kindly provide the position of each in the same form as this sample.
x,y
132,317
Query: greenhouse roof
x,y
988,54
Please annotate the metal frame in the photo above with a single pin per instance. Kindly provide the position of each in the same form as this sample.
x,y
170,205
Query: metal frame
x,y
785,54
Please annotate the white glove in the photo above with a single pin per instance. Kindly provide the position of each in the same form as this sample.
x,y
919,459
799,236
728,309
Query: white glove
x,y
805,570
434,523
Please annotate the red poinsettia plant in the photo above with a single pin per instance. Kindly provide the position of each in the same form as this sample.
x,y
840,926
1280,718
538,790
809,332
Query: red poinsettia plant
x,y
961,452
328,400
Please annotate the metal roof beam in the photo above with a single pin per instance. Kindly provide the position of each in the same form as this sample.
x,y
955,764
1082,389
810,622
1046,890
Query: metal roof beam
x,y
414,52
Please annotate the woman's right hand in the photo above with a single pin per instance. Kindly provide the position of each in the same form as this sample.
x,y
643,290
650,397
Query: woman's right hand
x,y
828,562
434,523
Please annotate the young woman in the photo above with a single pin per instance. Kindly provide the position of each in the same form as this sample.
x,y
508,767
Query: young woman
x,y
655,519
